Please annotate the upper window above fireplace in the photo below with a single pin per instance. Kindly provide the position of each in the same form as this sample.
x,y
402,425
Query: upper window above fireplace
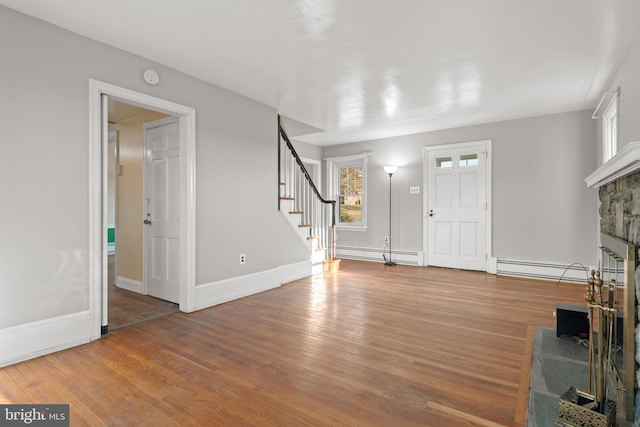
x,y
610,130
607,110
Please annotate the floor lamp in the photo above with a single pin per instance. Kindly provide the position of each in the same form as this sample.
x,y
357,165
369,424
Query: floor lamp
x,y
390,170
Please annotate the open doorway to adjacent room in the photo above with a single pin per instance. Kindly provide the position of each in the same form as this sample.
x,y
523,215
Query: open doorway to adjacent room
x,y
173,253
129,300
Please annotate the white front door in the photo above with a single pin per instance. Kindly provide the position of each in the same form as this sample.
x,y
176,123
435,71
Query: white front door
x,y
456,209
161,209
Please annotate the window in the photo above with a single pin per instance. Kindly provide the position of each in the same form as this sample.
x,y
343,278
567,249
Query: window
x,y
607,110
610,130
444,162
469,160
348,188
464,160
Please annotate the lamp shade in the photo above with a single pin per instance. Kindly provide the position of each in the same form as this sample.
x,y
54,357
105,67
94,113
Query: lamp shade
x,y
390,169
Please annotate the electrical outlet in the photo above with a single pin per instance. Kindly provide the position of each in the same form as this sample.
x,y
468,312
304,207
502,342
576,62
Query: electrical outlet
x,y
386,239
243,259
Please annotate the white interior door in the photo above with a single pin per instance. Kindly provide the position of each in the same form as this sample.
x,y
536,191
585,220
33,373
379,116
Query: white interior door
x,y
162,209
456,210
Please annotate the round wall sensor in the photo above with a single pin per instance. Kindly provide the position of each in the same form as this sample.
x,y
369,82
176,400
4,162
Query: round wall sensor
x,y
151,77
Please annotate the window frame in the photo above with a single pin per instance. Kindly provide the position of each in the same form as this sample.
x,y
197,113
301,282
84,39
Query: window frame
x,y
610,130
608,111
334,164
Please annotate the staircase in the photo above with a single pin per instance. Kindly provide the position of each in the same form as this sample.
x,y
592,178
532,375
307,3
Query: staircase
x,y
307,211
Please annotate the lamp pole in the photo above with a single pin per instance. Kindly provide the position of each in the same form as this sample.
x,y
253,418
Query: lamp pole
x,y
390,170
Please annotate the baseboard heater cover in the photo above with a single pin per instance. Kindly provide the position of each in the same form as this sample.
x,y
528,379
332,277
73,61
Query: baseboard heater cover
x,y
576,273
375,255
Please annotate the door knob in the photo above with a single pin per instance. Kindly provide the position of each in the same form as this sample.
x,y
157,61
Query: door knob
x,y
147,221
431,212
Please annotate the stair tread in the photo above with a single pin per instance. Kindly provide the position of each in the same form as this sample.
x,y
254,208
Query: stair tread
x,y
287,198
296,212
304,225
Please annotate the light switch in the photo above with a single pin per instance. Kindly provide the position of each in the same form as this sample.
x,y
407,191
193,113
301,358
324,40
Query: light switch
x,y
414,190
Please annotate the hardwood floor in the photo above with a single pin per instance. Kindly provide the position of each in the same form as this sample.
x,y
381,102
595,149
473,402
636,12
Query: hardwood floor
x,y
127,308
370,346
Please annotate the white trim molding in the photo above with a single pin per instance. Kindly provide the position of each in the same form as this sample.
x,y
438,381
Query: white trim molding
x,y
227,290
130,285
574,273
333,165
605,101
97,197
292,272
625,162
215,293
35,339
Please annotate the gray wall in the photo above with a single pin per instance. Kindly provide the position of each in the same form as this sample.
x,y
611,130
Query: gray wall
x,y
44,117
542,210
307,151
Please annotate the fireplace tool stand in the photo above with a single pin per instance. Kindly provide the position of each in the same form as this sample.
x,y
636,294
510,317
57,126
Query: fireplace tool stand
x,y
593,408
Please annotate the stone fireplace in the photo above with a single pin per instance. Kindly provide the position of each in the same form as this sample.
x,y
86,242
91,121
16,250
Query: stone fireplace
x,y
618,184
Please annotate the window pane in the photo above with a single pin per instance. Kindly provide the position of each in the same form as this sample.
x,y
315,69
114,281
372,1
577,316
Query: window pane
x,y
610,130
349,190
350,209
469,160
351,180
444,162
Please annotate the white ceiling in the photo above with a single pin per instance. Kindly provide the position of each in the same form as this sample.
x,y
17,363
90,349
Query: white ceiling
x,y
367,69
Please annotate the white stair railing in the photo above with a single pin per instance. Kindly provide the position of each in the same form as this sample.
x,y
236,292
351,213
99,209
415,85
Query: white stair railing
x,y
295,184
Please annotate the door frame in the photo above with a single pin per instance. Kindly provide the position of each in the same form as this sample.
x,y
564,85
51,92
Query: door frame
x,y
98,265
425,209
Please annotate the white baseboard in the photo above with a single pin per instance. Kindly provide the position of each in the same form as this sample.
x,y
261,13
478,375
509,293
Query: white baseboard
x,y
492,265
215,293
542,270
130,284
292,272
35,339
375,255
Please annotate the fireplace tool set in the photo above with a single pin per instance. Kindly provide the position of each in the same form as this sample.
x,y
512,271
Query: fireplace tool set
x,y
593,408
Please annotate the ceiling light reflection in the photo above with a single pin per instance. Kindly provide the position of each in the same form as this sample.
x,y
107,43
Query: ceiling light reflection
x,y
390,98
461,89
317,16
350,101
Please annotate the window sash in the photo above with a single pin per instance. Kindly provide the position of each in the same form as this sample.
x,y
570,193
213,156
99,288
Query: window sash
x,y
610,130
351,190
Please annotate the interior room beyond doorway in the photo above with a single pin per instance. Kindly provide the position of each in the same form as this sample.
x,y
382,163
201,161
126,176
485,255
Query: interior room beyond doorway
x,y
127,302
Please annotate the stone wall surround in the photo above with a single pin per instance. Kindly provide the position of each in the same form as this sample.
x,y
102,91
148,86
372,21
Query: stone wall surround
x,y
620,208
620,217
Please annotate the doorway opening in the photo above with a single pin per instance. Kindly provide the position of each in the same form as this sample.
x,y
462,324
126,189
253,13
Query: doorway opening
x,y
100,94
129,300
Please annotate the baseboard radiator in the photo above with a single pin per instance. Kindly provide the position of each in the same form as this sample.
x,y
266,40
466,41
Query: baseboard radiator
x,y
544,270
375,255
